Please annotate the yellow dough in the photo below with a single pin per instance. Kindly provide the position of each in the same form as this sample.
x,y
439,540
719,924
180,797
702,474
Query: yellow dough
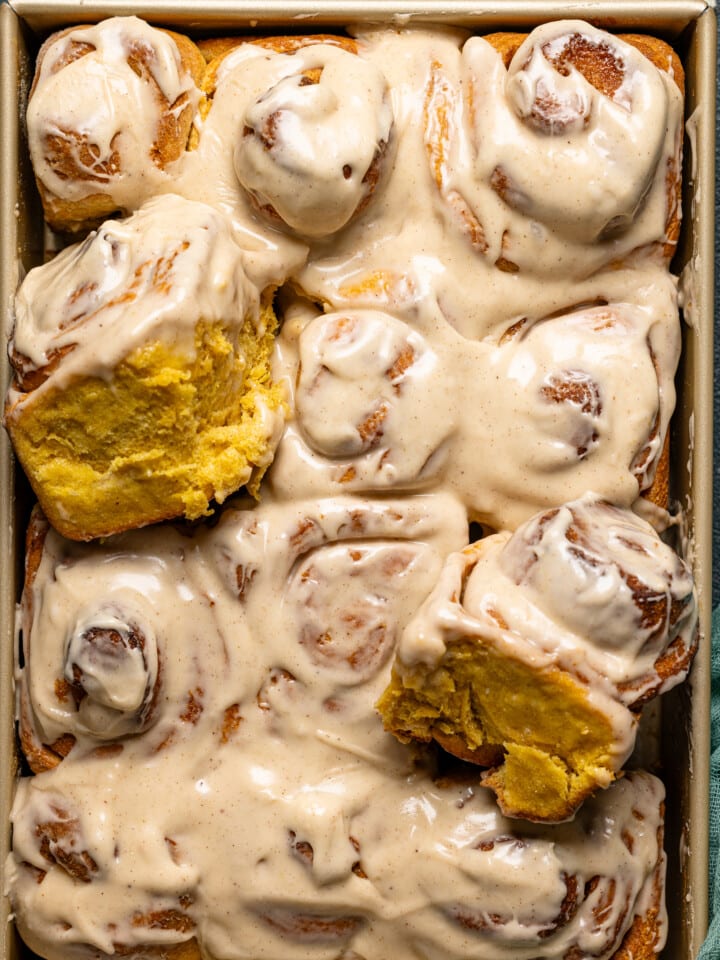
x,y
164,436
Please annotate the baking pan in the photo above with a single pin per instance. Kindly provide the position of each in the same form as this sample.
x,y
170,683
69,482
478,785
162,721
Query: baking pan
x,y
677,732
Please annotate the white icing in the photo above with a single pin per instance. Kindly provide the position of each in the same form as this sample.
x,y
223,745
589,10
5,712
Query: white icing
x,y
306,147
151,277
427,386
98,101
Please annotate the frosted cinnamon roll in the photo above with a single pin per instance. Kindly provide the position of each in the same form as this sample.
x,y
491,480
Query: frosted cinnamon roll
x,y
142,387
574,147
60,848
362,382
593,887
311,147
434,869
107,644
330,584
536,650
110,111
564,414
469,883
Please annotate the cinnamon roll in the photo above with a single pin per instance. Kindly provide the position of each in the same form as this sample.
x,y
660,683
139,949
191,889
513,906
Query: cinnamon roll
x,y
536,650
361,382
563,413
107,658
576,142
348,573
311,148
594,910
142,385
60,847
110,113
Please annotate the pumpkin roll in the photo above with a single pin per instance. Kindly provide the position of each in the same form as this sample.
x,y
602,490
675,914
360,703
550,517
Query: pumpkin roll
x,y
536,651
108,631
361,382
142,387
60,848
329,585
565,152
110,114
315,126
576,401
589,888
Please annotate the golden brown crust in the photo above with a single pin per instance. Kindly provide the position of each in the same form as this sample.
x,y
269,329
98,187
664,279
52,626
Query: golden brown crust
x,y
216,50
291,44
437,109
188,950
486,755
40,756
506,44
676,659
642,940
658,492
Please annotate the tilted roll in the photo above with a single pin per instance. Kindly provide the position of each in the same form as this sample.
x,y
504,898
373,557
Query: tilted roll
x,y
142,387
536,650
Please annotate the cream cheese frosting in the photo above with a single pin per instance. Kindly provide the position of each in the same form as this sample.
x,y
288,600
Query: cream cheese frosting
x,y
457,344
104,111
149,277
273,762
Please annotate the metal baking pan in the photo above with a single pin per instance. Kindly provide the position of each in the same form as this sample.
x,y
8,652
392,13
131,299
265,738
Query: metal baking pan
x,y
690,25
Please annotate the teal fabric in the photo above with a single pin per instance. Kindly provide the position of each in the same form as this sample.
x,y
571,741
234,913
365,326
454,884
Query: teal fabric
x,y
711,948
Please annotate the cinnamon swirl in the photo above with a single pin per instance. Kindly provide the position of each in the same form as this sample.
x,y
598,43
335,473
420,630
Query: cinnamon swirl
x,y
348,573
107,656
361,381
380,403
585,400
536,650
60,847
575,146
110,113
311,148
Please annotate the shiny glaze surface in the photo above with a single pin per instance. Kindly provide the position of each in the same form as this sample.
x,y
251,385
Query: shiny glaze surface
x,y
457,345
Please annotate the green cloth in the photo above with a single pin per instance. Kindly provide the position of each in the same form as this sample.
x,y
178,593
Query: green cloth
x,y
711,948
